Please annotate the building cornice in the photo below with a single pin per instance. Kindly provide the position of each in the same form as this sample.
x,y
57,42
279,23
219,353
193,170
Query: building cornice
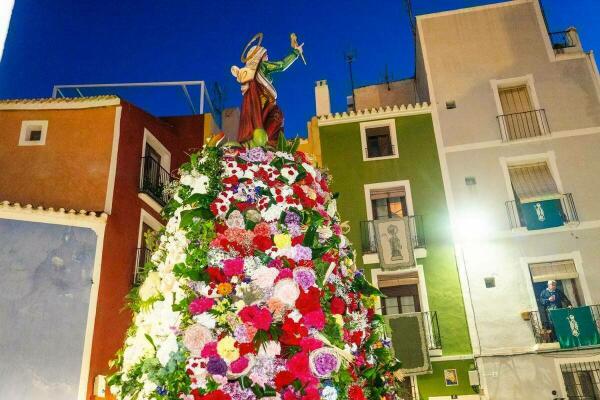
x,y
60,216
65,103
374,113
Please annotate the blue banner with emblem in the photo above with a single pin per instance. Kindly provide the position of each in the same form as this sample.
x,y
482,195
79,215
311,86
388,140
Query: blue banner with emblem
x,y
575,327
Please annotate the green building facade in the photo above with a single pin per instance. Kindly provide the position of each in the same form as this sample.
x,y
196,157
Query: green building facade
x,y
385,165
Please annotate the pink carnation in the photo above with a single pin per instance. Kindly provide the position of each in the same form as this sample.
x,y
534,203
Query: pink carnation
x,y
200,305
210,350
233,267
284,273
239,365
315,319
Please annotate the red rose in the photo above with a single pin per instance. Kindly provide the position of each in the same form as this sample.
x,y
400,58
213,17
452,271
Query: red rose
x,y
338,306
263,243
309,300
260,317
356,393
283,379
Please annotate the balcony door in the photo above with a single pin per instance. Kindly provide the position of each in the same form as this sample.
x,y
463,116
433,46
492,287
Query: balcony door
x,y
519,116
402,293
152,166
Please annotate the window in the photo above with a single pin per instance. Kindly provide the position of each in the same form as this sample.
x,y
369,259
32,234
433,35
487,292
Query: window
x,y
402,293
155,175
519,113
147,243
378,139
538,202
33,133
582,380
388,203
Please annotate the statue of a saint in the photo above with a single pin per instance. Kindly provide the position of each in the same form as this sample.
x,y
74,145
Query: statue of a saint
x,y
259,106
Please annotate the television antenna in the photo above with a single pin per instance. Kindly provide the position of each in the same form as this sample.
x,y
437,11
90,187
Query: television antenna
x,y
349,57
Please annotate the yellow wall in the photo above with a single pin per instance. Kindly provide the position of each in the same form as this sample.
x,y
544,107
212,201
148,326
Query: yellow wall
x,y
70,170
312,145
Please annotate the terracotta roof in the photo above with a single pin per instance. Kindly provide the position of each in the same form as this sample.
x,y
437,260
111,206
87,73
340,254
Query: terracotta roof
x,y
59,103
381,112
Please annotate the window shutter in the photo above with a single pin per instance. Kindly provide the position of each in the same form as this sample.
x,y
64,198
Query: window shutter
x,y
515,99
533,182
388,193
555,270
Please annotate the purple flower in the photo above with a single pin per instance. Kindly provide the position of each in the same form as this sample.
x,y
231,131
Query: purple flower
x,y
255,154
302,253
294,230
291,218
216,366
305,277
236,392
323,362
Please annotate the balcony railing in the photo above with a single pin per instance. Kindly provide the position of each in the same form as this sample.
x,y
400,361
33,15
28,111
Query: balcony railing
x,y
568,212
143,257
523,125
154,179
543,331
369,238
562,40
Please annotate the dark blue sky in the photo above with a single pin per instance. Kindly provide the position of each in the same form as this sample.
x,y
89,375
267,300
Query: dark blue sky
x,y
84,41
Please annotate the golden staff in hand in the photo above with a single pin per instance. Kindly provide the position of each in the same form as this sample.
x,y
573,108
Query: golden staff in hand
x,y
297,46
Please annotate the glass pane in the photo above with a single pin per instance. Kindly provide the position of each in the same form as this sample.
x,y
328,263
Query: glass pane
x,y
380,208
397,208
391,305
408,304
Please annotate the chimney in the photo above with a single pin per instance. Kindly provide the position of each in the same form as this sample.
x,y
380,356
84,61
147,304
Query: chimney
x,y
322,102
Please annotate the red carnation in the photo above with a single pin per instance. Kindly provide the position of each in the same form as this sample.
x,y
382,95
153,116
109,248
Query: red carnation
x,y
216,274
263,243
338,306
309,300
261,318
292,332
356,393
299,367
200,305
216,395
283,379
314,319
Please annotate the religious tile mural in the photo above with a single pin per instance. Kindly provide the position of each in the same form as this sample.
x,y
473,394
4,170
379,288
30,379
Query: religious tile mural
x,y
46,277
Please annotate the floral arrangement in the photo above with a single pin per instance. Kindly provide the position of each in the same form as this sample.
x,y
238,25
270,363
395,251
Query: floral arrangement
x,y
252,292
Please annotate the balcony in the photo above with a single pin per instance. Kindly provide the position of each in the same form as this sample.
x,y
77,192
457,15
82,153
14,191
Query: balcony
x,y
153,181
544,332
143,256
565,42
369,239
563,212
523,125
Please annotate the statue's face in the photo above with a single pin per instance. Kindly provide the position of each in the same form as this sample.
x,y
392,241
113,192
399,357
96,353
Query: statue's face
x,y
266,57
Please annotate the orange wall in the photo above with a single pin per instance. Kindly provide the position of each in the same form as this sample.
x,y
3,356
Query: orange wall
x,y
120,240
70,170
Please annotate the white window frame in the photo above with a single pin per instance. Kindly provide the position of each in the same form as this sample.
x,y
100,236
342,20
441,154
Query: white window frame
x,y
165,154
577,260
391,123
148,219
27,127
526,80
549,157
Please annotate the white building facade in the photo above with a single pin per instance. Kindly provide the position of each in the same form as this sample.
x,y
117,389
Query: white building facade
x,y
517,116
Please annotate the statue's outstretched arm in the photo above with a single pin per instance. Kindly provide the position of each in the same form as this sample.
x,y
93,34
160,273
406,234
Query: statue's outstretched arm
x,y
279,66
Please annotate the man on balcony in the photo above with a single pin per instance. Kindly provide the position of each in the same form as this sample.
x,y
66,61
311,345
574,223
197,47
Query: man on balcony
x,y
552,298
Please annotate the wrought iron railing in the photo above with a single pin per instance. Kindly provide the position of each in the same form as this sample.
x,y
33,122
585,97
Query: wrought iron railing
x,y
568,212
562,40
543,330
369,237
523,125
154,179
581,379
143,256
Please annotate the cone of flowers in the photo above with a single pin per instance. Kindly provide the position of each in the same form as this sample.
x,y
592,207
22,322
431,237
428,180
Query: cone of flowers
x,y
252,291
